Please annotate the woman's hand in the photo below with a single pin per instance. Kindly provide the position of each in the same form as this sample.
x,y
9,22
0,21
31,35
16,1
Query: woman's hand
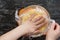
x,y
54,32
28,27
32,25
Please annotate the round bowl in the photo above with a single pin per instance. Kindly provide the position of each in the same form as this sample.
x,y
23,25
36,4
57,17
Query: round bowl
x,y
26,12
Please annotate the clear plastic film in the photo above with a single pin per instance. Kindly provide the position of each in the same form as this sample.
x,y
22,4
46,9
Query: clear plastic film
x,y
34,9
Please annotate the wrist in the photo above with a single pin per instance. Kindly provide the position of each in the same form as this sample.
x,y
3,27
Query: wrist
x,y
22,30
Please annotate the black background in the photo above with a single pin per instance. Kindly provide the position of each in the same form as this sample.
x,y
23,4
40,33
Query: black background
x,y
8,7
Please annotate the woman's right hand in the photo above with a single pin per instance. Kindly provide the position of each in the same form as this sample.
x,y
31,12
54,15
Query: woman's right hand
x,y
54,32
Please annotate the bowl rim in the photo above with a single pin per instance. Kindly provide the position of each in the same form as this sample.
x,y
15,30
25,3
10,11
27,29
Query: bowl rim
x,y
41,7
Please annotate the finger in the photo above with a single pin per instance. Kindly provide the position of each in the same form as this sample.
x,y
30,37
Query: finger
x,y
32,16
45,33
36,32
53,25
57,28
36,19
40,25
40,21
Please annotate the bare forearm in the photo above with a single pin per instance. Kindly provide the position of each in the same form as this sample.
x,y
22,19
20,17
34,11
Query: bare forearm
x,y
13,34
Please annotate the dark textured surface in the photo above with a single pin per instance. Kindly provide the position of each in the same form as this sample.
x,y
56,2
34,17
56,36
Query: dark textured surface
x,y
8,7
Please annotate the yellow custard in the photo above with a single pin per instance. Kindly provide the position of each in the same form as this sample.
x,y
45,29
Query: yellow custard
x,y
26,13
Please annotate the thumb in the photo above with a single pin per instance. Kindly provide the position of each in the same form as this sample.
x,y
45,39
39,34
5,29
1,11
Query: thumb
x,y
53,24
